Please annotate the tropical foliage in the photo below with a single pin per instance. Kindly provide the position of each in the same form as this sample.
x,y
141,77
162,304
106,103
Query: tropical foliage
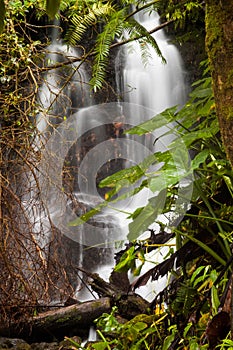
x,y
193,310
200,265
106,22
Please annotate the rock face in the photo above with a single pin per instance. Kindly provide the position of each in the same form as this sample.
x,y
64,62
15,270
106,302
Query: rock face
x,y
19,344
7,343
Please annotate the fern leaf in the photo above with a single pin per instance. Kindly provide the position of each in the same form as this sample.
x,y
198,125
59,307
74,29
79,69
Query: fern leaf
x,y
81,23
104,40
137,30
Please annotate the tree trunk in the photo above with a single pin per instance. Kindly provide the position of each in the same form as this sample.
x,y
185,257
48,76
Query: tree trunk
x,y
71,316
219,46
57,323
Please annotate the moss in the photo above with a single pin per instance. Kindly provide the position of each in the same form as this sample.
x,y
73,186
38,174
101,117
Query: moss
x,y
214,32
230,113
67,319
23,347
229,82
63,319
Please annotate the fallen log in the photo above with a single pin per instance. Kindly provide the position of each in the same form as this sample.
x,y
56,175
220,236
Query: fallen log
x,y
57,323
81,316
75,315
129,303
76,319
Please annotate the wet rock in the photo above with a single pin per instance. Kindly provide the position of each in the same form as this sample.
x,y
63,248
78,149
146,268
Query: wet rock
x,y
51,346
18,344
45,346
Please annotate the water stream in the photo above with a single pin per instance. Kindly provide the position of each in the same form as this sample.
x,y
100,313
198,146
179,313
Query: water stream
x,y
89,138
153,84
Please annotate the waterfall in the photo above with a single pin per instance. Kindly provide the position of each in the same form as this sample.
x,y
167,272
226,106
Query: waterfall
x,y
151,87
63,90
73,130
153,84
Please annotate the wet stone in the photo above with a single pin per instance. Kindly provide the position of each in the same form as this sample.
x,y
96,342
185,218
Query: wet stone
x,y
18,344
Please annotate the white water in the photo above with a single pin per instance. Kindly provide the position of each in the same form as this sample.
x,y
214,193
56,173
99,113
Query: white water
x,y
63,91
155,85
146,91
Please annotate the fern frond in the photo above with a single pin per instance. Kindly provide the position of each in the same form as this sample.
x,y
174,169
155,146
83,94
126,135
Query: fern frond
x,y
113,27
137,30
81,23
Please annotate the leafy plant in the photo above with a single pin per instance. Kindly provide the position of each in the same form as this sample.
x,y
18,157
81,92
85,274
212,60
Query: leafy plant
x,y
225,344
197,129
201,263
108,22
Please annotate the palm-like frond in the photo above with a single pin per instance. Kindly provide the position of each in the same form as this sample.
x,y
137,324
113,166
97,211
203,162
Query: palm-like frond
x,y
137,30
80,24
114,22
113,28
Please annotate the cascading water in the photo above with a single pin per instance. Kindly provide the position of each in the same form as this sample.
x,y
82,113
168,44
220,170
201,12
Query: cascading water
x,y
91,139
63,90
156,86
62,93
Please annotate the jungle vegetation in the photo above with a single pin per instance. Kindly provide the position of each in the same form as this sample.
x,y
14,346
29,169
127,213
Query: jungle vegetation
x,y
195,310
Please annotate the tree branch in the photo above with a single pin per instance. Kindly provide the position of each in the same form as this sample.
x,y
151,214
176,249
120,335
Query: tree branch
x,y
113,46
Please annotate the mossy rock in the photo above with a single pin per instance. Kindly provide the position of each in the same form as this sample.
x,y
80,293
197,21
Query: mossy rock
x,y
17,344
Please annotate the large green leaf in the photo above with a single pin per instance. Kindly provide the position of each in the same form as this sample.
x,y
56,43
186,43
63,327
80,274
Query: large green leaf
x,y
176,167
147,216
197,135
52,7
126,177
156,122
200,158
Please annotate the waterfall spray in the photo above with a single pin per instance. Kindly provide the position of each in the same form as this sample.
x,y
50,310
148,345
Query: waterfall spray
x,y
89,139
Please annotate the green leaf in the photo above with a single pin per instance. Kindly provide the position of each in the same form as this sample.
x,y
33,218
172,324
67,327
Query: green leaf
x,y
215,302
195,136
176,167
199,159
136,29
127,177
80,220
196,273
139,326
200,93
135,213
126,261
100,346
168,341
2,15
147,216
199,279
52,7
187,328
213,275
206,108
124,177
156,122
113,26
194,345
